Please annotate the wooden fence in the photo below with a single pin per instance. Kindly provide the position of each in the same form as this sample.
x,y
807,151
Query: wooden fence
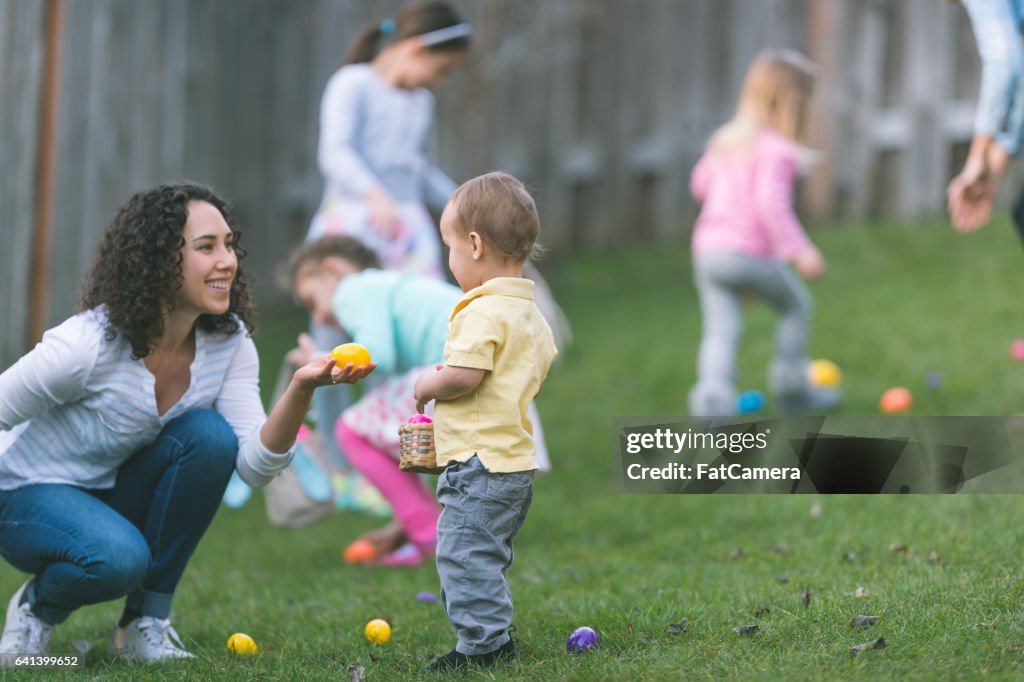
x,y
602,106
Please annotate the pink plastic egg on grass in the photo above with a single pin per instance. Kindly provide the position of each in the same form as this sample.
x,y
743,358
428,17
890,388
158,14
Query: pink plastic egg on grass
x,y
1017,349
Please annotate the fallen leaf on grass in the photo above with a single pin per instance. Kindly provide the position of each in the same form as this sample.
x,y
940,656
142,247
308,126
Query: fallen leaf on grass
x,y
862,621
850,556
805,597
356,673
815,510
82,646
746,630
934,557
783,579
781,548
897,547
678,628
867,646
736,553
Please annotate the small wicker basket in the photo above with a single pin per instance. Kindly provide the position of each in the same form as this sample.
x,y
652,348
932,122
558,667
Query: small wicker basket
x,y
416,450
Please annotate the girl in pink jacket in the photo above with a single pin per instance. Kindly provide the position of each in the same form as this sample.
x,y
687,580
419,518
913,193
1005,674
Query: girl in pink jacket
x,y
747,235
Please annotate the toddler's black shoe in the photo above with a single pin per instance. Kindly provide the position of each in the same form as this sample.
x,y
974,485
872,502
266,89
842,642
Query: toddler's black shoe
x,y
454,660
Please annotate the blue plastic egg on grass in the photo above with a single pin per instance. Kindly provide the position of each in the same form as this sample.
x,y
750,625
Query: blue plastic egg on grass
x,y
749,402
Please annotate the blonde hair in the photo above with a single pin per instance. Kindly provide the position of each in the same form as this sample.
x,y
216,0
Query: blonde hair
x,y
776,94
498,207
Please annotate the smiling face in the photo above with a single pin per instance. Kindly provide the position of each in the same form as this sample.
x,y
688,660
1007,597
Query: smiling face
x,y
208,262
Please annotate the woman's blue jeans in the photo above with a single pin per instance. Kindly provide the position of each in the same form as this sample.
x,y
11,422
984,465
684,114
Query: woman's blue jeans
x,y
135,539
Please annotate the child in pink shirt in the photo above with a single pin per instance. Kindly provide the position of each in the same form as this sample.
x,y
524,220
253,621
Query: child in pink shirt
x,y
747,234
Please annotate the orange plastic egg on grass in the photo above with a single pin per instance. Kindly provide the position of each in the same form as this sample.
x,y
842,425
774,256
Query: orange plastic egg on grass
x,y
351,352
896,400
360,552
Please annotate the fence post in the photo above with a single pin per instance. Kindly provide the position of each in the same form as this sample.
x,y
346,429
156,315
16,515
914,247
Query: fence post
x,y
45,162
824,46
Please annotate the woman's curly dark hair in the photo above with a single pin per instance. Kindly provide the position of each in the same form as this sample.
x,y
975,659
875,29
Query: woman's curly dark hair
x,y
137,270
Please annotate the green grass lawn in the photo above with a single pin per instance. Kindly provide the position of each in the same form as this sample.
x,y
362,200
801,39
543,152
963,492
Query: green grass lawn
x,y
899,301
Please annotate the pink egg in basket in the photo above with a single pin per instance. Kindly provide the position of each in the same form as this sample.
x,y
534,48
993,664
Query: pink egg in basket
x,y
416,451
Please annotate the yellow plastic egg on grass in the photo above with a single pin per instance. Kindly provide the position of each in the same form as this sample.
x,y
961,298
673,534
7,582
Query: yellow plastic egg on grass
x,y
825,374
377,631
242,645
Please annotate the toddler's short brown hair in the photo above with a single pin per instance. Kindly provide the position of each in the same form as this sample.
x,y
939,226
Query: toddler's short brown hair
x,y
498,207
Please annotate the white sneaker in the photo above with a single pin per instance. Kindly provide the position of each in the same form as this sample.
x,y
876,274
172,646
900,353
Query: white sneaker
x,y
147,640
24,633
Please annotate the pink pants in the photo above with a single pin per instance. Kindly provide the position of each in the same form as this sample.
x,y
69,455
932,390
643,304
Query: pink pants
x,y
410,499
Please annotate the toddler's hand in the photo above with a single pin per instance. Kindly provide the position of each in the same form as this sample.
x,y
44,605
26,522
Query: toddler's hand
x,y
420,390
810,263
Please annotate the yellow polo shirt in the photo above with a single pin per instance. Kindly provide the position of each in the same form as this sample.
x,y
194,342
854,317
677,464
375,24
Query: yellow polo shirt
x,y
496,327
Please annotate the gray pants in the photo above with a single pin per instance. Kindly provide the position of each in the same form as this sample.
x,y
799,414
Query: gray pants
x,y
722,280
481,514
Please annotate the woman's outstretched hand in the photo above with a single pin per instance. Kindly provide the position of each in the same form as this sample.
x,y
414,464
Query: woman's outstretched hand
x,y
322,371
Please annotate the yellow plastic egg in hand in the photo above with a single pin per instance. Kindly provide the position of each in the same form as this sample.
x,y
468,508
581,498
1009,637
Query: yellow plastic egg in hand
x,y
242,645
378,631
351,352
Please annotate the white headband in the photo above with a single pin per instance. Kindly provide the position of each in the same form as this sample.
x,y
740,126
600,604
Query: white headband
x,y
443,35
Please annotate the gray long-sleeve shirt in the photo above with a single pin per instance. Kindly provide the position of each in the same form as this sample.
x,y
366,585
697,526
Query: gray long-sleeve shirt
x,y
374,134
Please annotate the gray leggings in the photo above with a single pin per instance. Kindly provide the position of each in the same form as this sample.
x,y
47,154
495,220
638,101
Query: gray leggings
x,y
722,280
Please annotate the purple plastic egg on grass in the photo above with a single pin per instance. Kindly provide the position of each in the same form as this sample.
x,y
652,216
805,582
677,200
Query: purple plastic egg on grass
x,y
428,597
582,639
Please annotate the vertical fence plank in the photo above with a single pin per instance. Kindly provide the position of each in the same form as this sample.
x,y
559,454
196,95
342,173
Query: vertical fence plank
x,y
22,39
926,79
